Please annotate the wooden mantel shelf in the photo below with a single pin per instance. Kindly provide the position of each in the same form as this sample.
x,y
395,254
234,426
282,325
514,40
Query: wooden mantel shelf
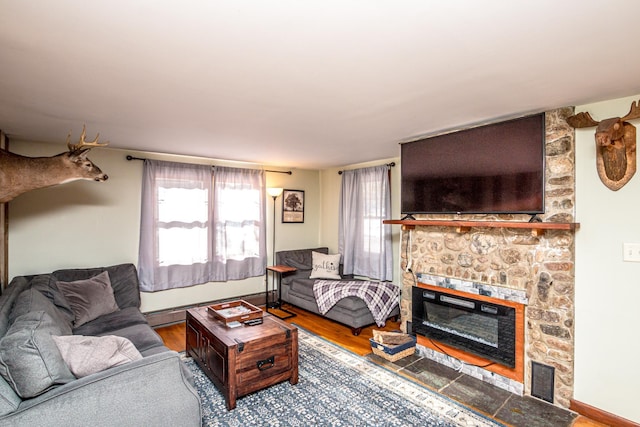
x,y
537,228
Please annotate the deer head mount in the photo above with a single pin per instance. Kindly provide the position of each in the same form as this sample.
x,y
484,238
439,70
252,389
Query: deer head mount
x,y
615,146
19,174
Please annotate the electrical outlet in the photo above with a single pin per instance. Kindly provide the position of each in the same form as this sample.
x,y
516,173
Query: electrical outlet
x,y
631,252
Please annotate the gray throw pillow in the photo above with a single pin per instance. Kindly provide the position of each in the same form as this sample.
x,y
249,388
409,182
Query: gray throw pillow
x,y
89,299
33,300
29,359
86,355
123,277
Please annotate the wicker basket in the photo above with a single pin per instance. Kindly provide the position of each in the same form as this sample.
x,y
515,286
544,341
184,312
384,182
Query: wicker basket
x,y
393,352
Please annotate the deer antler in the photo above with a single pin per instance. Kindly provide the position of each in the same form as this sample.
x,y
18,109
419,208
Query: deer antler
x,y
634,112
82,143
581,120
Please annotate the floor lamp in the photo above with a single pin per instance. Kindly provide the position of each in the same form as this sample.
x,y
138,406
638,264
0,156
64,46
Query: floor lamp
x,y
274,192
276,270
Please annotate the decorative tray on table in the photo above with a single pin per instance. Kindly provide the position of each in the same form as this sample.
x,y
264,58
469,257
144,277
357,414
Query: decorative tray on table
x,y
235,311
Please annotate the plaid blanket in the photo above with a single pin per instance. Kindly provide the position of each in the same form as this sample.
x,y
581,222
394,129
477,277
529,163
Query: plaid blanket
x,y
380,297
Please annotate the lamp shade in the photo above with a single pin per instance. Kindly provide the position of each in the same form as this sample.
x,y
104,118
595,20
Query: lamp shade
x,y
274,191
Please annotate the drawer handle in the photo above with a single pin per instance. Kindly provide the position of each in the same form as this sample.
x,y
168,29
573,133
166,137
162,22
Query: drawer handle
x,y
265,364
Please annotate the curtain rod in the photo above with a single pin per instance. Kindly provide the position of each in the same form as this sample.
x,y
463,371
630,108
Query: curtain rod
x,y
392,164
130,157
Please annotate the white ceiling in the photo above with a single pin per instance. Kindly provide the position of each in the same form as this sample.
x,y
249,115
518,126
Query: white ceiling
x,y
302,83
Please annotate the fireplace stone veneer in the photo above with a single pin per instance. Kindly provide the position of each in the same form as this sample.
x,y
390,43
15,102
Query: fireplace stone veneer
x,y
474,288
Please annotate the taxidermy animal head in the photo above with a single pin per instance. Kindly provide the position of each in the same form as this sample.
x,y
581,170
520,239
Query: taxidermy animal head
x,y
615,146
19,174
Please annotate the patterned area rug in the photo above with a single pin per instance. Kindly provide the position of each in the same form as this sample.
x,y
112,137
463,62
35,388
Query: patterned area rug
x,y
335,388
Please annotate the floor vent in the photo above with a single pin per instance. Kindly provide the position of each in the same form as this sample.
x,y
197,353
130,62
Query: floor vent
x,y
542,381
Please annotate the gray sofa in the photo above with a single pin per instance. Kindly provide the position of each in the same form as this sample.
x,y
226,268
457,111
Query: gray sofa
x,y
37,387
297,290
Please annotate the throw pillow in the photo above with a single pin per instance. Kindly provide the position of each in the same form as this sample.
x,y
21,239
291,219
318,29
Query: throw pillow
x,y
32,300
29,359
46,285
325,266
123,277
89,299
87,355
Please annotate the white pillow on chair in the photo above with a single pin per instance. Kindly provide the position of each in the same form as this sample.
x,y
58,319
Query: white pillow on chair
x,y
325,266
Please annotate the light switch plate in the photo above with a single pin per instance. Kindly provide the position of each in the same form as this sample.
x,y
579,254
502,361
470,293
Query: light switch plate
x,y
631,252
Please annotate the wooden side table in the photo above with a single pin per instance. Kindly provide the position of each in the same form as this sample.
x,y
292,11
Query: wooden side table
x,y
276,277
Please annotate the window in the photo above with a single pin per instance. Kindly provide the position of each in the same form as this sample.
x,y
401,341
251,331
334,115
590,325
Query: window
x,y
183,222
364,241
198,226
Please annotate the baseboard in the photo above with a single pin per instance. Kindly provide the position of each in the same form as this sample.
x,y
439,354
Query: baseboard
x,y
166,318
599,415
178,314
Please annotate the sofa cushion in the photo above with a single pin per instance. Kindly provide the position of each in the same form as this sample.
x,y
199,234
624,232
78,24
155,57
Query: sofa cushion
x,y
29,359
304,288
46,285
325,266
32,300
112,322
143,337
124,281
90,298
299,258
9,400
8,297
88,355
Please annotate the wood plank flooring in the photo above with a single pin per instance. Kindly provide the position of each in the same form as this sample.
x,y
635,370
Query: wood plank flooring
x,y
174,335
174,338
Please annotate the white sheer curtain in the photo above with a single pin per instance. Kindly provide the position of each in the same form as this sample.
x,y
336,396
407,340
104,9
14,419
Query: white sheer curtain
x,y
239,222
364,241
181,244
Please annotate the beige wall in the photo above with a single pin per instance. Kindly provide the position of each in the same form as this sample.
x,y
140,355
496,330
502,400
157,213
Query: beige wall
x,y
607,289
88,224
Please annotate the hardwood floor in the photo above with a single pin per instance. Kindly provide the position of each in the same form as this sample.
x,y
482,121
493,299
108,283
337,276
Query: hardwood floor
x,y
174,335
174,338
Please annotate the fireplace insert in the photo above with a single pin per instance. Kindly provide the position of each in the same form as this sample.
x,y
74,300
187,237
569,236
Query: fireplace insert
x,y
485,329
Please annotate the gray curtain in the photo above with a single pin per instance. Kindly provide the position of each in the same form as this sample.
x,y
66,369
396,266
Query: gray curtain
x,y
181,241
364,241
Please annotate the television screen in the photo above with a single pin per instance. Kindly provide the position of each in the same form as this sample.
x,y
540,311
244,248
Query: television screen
x,y
496,168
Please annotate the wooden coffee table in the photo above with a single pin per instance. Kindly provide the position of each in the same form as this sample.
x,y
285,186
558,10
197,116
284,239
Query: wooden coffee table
x,y
245,359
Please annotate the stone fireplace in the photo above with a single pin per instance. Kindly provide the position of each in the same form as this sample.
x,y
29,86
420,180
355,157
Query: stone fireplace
x,y
534,269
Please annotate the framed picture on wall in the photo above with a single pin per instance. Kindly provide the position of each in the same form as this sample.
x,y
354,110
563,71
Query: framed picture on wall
x,y
293,206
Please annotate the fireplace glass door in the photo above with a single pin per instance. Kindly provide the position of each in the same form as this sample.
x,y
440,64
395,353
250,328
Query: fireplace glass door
x,y
478,327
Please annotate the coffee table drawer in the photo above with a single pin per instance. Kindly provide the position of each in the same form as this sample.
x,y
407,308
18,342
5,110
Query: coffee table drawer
x,y
260,367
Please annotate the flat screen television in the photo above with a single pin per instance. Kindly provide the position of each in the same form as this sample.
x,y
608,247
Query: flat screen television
x,y
495,168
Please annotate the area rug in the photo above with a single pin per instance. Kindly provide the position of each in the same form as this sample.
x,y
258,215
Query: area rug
x,y
335,388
